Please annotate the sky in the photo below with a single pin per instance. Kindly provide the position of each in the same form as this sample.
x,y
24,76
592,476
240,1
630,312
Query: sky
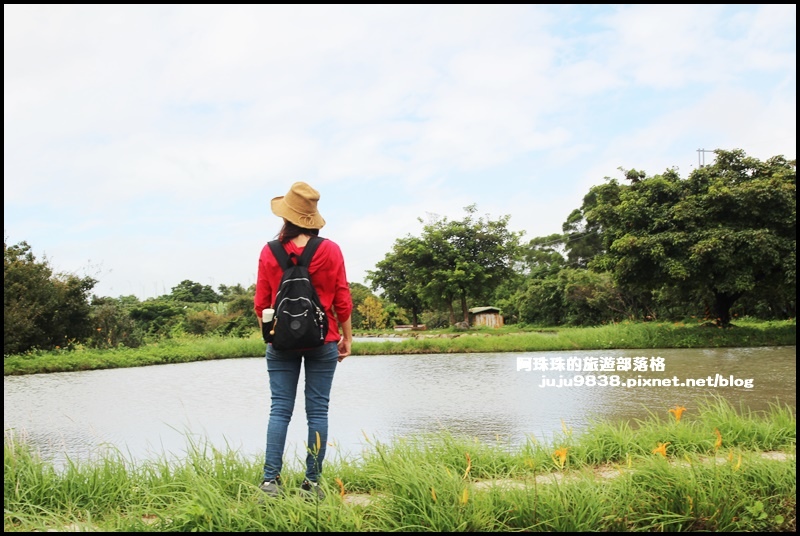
x,y
143,144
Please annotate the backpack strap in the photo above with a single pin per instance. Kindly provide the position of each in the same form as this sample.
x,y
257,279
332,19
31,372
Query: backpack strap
x,y
280,254
308,251
285,260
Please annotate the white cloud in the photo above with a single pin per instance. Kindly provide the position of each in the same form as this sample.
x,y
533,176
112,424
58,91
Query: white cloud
x,y
167,129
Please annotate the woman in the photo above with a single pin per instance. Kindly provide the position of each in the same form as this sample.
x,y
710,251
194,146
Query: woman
x,y
301,221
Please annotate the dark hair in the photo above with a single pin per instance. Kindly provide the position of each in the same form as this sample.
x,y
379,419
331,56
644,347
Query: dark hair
x,y
290,230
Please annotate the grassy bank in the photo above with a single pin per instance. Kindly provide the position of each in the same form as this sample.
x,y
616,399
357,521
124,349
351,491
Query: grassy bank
x,y
720,469
508,339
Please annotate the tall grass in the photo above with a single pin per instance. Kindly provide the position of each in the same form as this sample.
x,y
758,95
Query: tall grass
x,y
483,340
712,475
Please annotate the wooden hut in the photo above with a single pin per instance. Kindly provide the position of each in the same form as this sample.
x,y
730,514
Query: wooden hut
x,y
486,316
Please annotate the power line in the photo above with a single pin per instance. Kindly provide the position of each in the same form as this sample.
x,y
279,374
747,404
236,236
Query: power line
x,y
572,237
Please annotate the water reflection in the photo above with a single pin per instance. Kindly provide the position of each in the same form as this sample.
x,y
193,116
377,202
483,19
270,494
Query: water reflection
x,y
150,412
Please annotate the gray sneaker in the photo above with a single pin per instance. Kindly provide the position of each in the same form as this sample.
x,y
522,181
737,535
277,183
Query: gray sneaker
x,y
312,490
272,487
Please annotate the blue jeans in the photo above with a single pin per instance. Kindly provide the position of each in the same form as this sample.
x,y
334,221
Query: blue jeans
x,y
283,367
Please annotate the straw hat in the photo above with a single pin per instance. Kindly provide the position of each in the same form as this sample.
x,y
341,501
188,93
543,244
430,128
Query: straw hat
x,y
299,206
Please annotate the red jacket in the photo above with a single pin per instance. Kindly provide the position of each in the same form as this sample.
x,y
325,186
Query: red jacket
x,y
327,274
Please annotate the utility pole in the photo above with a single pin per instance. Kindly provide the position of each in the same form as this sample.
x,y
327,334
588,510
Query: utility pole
x,y
701,157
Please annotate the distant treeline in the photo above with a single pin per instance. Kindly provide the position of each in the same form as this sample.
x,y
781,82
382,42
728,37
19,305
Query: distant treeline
x,y
716,245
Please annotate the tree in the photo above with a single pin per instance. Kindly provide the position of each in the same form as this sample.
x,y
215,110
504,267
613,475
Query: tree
x,y
189,291
726,232
573,296
358,293
112,323
41,309
582,241
239,301
71,322
401,275
203,322
470,258
373,314
27,297
157,317
464,260
228,293
542,255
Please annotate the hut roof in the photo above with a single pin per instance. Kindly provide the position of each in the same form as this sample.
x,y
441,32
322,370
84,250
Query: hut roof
x,y
478,310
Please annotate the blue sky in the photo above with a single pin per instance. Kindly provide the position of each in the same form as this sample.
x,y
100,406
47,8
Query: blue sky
x,y
143,144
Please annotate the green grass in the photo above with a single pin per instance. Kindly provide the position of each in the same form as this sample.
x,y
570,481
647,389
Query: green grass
x,y
610,480
508,339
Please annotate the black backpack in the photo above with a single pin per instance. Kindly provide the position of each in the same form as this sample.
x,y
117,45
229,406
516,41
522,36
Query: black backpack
x,y
300,320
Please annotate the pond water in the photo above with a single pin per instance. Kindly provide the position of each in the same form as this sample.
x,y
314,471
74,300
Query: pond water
x,y
157,411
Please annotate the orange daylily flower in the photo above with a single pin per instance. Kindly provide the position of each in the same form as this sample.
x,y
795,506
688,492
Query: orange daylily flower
x,y
469,464
661,449
341,487
677,411
560,456
718,442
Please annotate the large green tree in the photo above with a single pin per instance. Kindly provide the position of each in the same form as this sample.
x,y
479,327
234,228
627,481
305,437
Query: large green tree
x,y
471,257
727,231
401,275
454,260
573,296
582,241
41,309
542,255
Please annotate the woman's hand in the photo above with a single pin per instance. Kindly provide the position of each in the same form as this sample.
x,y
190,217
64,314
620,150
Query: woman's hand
x,y
344,348
346,340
